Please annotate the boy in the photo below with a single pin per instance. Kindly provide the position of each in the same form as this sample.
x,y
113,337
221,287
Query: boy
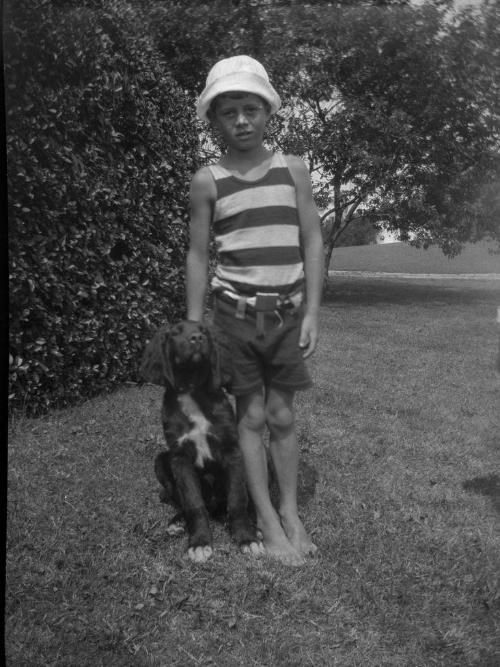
x,y
270,248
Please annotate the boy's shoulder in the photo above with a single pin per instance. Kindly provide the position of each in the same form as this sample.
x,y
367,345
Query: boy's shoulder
x,y
202,175
294,162
297,168
202,183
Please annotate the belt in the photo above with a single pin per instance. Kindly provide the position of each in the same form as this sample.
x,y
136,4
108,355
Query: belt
x,y
262,302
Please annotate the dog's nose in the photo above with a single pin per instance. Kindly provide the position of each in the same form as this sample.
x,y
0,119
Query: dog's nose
x,y
196,339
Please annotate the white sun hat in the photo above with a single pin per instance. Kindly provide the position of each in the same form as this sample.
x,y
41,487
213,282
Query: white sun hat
x,y
237,74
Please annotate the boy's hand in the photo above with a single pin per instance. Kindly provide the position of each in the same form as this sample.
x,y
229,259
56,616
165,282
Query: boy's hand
x,y
308,335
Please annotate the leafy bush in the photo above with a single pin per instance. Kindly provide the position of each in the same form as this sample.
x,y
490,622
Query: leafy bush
x,y
361,232
100,148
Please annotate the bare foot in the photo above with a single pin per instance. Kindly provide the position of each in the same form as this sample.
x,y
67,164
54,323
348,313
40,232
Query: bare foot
x,y
285,553
296,533
278,546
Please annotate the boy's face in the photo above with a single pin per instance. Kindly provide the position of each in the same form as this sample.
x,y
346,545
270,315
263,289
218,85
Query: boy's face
x,y
241,119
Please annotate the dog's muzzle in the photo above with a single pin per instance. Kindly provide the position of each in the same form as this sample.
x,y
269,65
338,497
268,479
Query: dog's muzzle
x,y
198,346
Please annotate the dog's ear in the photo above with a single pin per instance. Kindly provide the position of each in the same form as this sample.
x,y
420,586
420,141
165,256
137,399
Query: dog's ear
x,y
155,365
214,360
220,362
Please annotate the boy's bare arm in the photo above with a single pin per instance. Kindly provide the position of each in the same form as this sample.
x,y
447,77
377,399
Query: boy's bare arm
x,y
199,237
312,245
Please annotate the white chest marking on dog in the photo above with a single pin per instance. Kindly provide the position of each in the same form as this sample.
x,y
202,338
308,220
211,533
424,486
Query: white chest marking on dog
x,y
199,430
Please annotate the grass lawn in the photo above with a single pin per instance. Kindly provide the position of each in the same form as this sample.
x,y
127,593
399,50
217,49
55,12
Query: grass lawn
x,y
475,258
400,442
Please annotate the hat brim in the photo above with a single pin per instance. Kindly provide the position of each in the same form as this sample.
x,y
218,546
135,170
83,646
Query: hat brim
x,y
244,82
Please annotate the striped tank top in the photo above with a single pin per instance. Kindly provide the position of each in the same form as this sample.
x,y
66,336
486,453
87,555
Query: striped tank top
x,y
257,233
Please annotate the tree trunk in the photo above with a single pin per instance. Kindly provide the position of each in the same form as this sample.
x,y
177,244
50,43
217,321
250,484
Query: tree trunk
x,y
328,257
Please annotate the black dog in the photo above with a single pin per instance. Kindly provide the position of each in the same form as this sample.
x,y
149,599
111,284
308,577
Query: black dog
x,y
201,471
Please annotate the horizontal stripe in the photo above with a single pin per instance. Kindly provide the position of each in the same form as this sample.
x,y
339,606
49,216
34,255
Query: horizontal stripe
x,y
273,256
257,217
257,232
258,237
259,197
230,184
245,289
248,279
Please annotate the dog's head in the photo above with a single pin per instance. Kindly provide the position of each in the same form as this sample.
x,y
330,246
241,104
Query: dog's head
x,y
182,357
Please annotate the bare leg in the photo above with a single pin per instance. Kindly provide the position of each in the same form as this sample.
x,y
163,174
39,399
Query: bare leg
x,y
285,455
251,418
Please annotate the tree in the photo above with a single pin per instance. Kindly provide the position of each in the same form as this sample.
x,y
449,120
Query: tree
x,y
395,123
472,46
391,104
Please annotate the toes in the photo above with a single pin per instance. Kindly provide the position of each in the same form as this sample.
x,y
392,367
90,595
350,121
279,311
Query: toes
x,y
175,528
287,556
294,560
199,554
254,549
306,549
312,549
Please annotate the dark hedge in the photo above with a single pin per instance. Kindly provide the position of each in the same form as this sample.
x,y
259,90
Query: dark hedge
x,y
101,146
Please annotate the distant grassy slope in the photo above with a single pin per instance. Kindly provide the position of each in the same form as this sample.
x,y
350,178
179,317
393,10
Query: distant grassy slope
x,y
402,258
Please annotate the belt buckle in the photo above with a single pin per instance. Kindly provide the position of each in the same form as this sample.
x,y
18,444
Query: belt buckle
x,y
266,301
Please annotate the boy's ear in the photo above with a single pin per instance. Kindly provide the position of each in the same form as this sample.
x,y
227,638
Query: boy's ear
x,y
212,119
211,111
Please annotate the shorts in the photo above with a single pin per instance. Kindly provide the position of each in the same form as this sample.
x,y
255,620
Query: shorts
x,y
253,362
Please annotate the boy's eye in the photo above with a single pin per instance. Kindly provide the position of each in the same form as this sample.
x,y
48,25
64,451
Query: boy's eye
x,y
232,113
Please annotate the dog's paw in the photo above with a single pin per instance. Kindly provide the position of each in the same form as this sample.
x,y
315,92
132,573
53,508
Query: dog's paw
x,y
176,528
199,554
255,549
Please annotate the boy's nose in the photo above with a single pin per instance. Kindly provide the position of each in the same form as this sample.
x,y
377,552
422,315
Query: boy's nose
x,y
241,119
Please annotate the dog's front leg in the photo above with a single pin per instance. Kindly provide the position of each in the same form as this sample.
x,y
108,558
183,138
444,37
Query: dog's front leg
x,y
193,507
241,526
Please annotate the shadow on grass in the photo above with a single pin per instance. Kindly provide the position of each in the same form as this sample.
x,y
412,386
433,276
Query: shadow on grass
x,y
306,483
485,486
371,291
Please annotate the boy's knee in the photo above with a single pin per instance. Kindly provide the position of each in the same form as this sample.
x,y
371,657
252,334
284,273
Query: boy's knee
x,y
280,418
253,418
